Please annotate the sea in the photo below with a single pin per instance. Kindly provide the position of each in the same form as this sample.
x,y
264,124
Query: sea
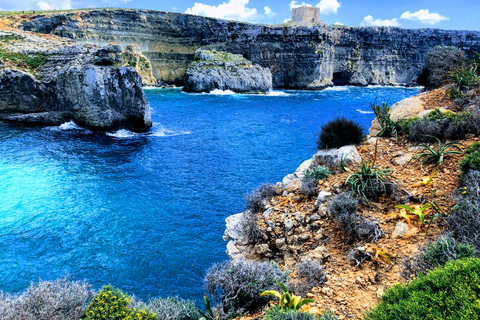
x,y
146,212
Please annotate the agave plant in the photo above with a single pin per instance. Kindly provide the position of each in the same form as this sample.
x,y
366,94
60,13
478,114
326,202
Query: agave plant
x,y
287,301
429,155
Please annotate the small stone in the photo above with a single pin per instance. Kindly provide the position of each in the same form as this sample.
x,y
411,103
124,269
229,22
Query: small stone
x,y
304,237
315,217
380,292
322,197
267,213
288,224
401,229
271,224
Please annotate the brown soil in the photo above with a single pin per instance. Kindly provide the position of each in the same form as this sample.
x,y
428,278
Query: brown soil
x,y
351,290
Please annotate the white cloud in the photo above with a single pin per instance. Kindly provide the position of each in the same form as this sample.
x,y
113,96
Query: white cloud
x,y
328,6
234,10
54,4
294,4
338,23
423,16
370,21
268,11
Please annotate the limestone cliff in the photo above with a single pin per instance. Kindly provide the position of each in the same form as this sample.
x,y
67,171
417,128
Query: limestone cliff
x,y
212,70
298,57
48,80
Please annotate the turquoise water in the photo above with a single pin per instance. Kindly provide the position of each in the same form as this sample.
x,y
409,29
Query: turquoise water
x,y
145,212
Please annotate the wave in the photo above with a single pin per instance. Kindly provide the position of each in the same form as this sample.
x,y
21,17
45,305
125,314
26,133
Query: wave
x,y
377,86
70,125
337,88
156,131
219,92
364,112
122,133
278,94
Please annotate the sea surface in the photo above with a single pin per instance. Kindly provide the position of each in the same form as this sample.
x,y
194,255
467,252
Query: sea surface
x,y
145,212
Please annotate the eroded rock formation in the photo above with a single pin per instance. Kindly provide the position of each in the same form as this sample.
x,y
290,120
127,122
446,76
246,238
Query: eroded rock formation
x,y
51,81
225,71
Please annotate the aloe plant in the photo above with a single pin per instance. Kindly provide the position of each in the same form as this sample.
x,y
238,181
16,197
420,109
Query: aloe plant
x,y
419,211
430,155
287,301
208,315
426,181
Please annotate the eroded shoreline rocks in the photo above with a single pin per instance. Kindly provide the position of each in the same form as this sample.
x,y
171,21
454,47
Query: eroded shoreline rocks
x,y
213,70
52,81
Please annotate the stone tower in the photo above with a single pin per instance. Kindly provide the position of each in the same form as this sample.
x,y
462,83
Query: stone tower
x,y
306,14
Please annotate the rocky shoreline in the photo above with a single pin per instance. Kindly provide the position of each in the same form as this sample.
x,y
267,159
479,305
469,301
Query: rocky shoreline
x,y
47,80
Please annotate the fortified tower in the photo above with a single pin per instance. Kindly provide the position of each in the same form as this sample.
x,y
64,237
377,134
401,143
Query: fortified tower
x,y
306,14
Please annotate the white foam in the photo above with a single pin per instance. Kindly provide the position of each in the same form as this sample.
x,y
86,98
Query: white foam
x,y
70,125
219,92
122,133
364,112
337,88
162,132
277,94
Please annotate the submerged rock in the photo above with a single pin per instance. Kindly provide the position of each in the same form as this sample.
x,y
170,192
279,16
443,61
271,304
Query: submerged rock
x,y
225,71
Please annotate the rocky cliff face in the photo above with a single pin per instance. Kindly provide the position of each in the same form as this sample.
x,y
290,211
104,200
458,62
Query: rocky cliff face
x,y
299,57
212,70
47,81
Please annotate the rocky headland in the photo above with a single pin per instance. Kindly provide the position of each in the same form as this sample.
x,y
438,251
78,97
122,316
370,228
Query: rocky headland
x,y
299,57
48,80
225,71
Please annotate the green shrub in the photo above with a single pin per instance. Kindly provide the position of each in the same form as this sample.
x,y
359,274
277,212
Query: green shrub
x,y
311,178
171,308
463,78
236,286
471,159
455,94
111,303
439,62
450,292
60,300
445,249
255,199
340,132
276,313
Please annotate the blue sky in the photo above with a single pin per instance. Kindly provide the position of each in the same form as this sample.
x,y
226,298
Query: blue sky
x,y
444,14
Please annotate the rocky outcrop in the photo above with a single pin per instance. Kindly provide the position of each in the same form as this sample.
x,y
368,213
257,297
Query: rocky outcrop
x,y
48,82
212,70
298,56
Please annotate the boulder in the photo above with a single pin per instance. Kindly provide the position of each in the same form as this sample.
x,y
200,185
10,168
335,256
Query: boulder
x,y
407,108
225,71
331,158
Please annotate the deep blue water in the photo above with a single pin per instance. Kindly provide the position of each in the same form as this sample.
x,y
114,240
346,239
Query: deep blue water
x,y
146,212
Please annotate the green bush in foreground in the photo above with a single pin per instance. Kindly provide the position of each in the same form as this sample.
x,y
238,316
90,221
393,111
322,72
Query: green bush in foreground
x,y
277,313
112,304
471,159
451,292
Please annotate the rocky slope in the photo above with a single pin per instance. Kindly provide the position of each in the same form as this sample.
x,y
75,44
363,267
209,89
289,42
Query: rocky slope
x,y
49,80
212,70
298,57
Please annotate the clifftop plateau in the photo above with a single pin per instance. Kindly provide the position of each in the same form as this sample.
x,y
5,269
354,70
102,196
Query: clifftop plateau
x,y
298,57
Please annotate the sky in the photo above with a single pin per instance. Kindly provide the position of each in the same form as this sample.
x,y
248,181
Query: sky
x,y
411,14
